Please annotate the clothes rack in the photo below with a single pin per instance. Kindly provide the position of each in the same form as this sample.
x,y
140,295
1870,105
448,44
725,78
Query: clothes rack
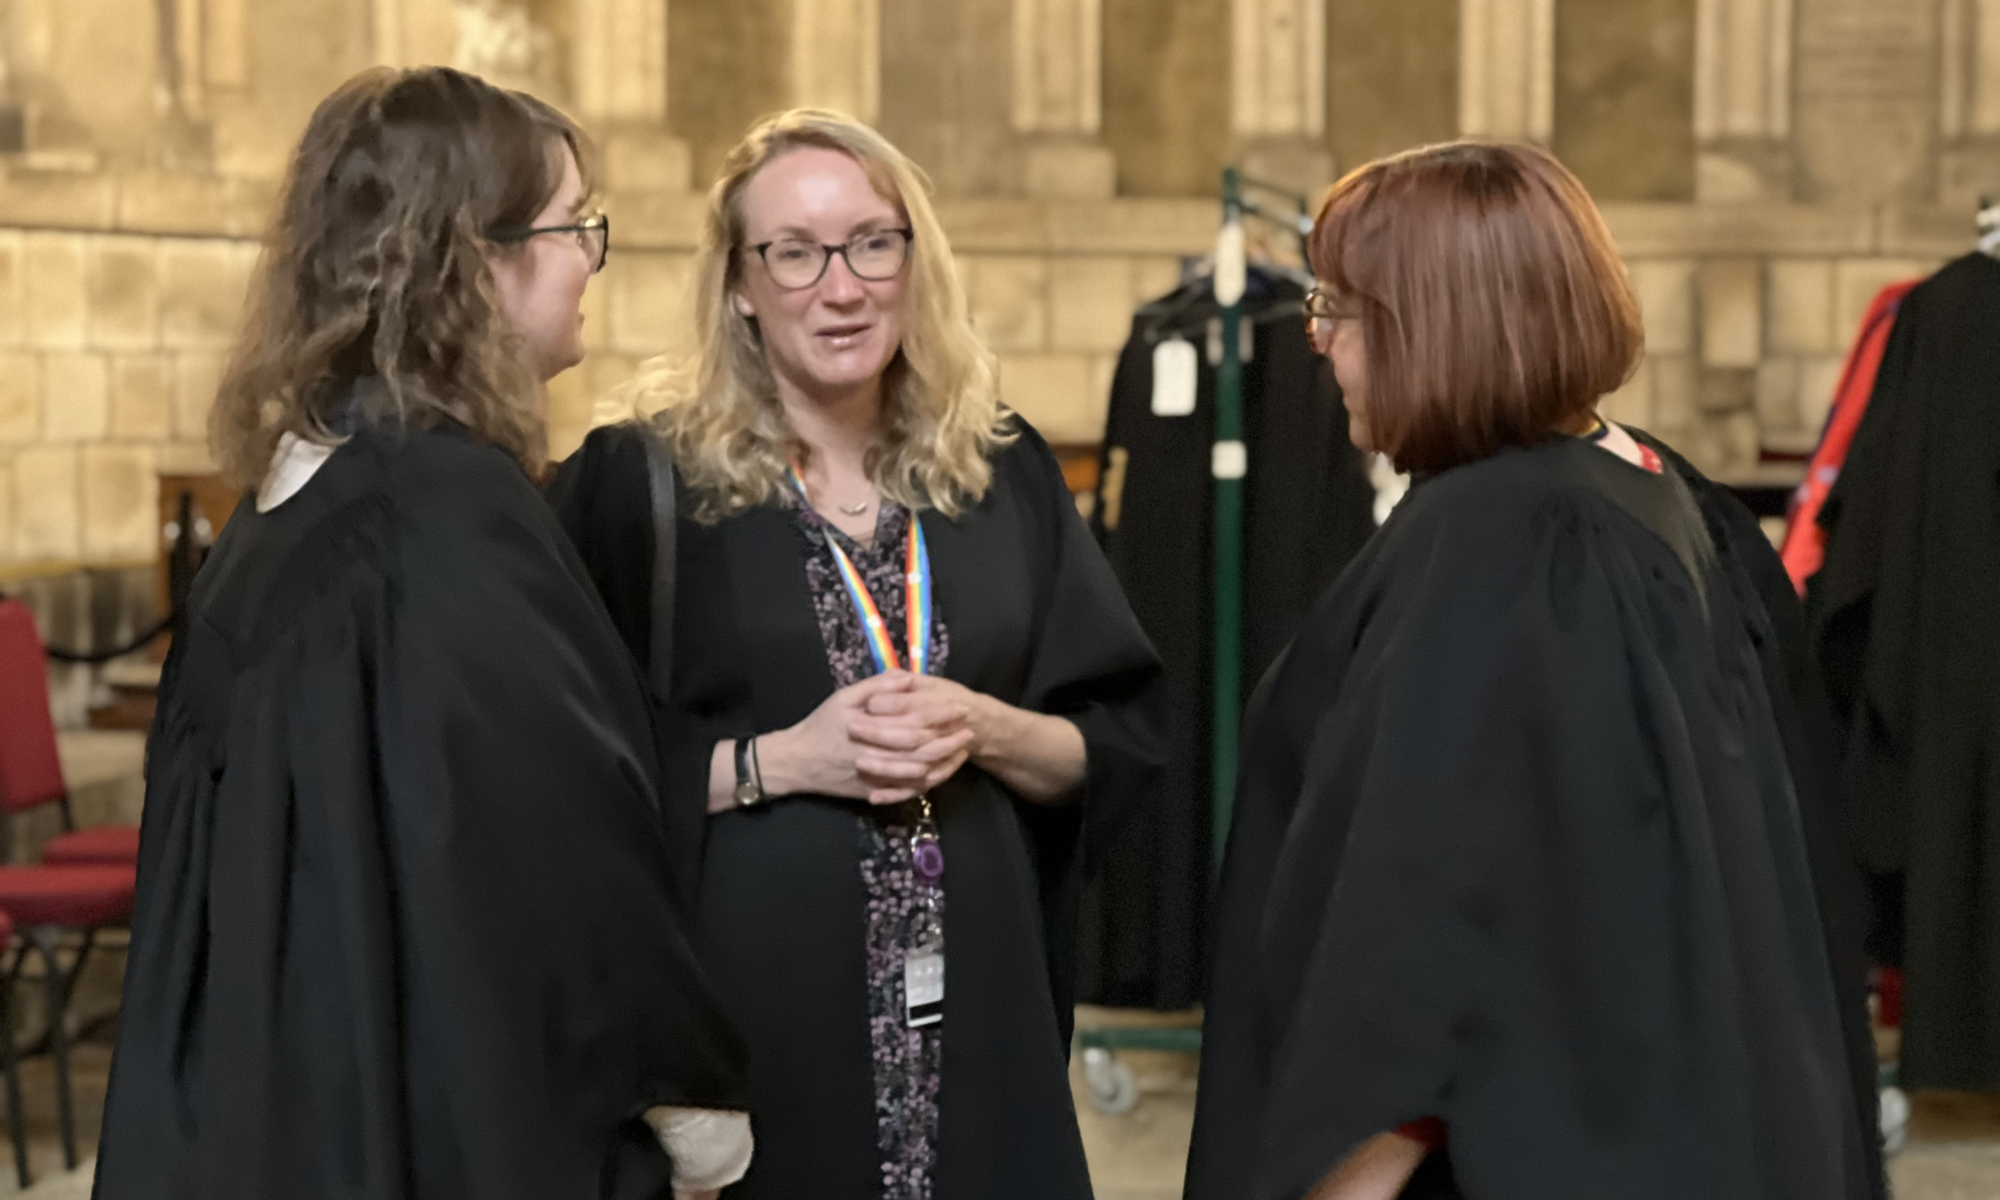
x,y
1112,1087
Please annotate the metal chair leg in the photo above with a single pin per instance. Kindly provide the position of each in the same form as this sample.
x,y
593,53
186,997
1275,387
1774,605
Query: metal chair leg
x,y
82,956
17,1118
58,986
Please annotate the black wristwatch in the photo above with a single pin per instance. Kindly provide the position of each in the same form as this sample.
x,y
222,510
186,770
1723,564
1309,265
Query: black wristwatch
x,y
749,774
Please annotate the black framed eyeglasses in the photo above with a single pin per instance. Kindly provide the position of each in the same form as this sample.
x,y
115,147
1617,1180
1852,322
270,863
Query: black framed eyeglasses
x,y
796,264
591,233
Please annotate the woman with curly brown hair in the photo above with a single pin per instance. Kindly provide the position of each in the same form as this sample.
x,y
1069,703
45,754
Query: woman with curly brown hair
x,y
407,923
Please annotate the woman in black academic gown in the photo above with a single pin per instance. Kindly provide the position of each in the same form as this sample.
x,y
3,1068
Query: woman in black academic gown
x,y
1518,903
406,923
851,490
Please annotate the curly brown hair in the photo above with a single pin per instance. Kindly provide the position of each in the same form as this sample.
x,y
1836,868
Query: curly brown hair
x,y
377,264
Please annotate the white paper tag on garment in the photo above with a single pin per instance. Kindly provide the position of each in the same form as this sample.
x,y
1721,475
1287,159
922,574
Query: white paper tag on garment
x,y
1229,460
1175,372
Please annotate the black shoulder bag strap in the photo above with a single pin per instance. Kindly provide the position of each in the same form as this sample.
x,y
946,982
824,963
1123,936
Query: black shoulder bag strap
x,y
660,475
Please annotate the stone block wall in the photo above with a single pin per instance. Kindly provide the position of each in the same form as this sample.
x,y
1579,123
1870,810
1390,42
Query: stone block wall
x,y
113,332
1750,310
1766,166
112,338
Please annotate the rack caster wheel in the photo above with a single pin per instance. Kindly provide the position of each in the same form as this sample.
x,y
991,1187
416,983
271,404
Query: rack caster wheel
x,y
1114,1090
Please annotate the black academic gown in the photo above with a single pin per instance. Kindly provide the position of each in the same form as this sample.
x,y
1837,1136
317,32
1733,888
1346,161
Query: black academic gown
x,y
1307,509
1905,627
1774,620
1516,846
1037,620
405,924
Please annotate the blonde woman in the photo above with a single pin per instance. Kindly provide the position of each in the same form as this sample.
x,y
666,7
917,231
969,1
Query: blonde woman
x,y
892,837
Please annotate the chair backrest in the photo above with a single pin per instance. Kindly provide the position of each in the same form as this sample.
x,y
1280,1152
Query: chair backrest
x,y
30,770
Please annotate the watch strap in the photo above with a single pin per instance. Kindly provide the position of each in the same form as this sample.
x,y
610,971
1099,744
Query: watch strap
x,y
749,780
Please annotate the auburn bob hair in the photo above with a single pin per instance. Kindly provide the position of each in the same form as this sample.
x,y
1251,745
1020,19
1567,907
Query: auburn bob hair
x,y
1493,304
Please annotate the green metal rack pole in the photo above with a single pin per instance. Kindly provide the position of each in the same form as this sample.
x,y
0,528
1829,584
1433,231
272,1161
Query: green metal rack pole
x,y
1228,463
1112,1085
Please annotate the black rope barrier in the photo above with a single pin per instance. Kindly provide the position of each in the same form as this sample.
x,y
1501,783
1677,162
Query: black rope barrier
x,y
93,657
183,560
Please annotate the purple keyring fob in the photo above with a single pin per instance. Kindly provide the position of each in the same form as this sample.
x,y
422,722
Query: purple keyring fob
x,y
927,856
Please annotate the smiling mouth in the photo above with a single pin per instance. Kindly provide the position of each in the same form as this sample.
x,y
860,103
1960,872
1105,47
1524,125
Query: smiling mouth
x,y
842,335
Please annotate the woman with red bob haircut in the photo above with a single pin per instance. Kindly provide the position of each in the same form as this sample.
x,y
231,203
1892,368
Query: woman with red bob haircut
x,y
1521,901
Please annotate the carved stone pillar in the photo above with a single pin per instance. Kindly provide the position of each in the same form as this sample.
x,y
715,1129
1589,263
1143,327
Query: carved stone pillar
x,y
1743,99
1058,98
618,81
1865,101
1278,91
1969,103
185,139
412,33
837,56
225,44
508,43
1506,77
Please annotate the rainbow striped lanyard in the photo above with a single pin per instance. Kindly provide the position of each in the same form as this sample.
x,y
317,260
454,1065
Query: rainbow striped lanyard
x,y
917,581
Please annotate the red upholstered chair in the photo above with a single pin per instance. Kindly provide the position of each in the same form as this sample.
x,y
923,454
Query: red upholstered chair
x,y
30,770
50,906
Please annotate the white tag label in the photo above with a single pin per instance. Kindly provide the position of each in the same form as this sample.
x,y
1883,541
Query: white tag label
x,y
1175,371
1231,266
923,986
1229,460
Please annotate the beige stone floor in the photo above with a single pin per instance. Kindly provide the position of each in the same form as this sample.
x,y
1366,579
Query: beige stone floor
x,y
90,1065
1953,1154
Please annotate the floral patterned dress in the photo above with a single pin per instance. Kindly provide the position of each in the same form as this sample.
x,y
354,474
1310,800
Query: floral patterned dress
x,y
907,1061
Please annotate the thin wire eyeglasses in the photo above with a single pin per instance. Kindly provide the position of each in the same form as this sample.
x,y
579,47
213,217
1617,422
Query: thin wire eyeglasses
x,y
877,256
592,233
1320,316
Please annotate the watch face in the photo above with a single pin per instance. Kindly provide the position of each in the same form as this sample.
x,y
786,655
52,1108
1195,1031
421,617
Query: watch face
x,y
746,793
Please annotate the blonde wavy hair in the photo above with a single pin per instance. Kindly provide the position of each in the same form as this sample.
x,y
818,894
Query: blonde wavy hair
x,y
720,414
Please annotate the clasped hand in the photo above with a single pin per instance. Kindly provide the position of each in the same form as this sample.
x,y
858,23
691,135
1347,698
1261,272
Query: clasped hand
x,y
891,737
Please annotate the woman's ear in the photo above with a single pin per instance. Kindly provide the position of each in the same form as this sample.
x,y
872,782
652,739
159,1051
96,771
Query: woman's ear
x,y
742,306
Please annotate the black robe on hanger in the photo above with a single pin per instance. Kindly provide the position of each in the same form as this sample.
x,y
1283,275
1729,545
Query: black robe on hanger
x,y
406,923
1905,626
1036,619
1308,507
1517,847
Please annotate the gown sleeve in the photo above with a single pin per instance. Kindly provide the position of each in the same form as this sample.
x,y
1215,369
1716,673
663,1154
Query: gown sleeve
x,y
1804,721
602,497
500,885
1090,661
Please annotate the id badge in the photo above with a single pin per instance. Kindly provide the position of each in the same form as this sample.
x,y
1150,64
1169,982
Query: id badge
x,y
923,985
